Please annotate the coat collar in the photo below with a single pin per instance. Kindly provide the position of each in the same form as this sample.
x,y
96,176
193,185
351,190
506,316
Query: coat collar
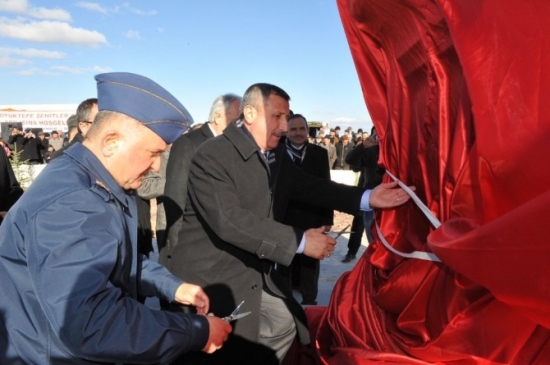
x,y
99,175
242,140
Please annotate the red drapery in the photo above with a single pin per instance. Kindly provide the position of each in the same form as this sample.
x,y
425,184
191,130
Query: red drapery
x,y
458,91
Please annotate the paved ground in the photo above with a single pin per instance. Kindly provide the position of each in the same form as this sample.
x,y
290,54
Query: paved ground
x,y
332,268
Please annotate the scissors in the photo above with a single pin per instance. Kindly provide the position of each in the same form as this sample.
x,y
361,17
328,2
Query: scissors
x,y
341,232
235,314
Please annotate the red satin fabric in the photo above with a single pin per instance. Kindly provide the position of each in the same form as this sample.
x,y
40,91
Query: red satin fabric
x,y
458,92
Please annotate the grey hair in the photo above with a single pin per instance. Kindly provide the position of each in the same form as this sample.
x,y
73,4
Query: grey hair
x,y
221,104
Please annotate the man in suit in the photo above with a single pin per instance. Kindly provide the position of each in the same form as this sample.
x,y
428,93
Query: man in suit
x,y
224,110
304,270
230,240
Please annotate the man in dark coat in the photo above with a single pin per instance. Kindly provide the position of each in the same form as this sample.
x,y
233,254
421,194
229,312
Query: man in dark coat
x,y
230,240
224,109
312,159
342,149
365,157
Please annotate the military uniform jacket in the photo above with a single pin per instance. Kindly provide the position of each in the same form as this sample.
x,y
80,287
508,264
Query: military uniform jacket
x,y
230,239
70,275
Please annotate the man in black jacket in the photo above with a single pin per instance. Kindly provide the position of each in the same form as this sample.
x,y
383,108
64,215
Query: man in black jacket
x,y
224,110
365,157
312,159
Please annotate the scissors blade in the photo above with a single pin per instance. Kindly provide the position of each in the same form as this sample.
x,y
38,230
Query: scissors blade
x,y
237,309
234,317
341,232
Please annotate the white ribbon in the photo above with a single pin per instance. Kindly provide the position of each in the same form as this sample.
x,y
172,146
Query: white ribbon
x,y
428,256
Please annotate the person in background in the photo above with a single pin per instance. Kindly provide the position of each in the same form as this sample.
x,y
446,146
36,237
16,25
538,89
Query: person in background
x,y
342,149
331,150
224,110
303,273
85,115
16,139
32,148
55,141
365,157
48,154
72,130
10,190
73,299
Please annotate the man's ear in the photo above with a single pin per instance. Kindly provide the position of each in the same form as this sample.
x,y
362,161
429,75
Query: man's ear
x,y
110,143
250,113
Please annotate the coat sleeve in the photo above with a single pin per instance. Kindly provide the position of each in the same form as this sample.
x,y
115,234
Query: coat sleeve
x,y
175,189
324,173
76,255
321,192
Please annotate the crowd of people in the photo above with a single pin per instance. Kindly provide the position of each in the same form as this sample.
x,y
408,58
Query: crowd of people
x,y
245,196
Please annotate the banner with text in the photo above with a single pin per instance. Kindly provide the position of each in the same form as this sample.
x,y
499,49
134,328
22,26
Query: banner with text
x,y
47,118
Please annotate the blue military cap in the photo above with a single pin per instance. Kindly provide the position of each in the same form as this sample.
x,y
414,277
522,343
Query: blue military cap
x,y
144,100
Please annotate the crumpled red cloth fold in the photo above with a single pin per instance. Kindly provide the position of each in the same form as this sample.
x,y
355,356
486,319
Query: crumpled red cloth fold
x,y
458,92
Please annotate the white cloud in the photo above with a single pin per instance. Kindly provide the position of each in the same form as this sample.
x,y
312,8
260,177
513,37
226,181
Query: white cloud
x,y
60,70
22,7
14,6
49,32
99,69
139,11
132,34
69,70
37,71
92,7
6,61
32,53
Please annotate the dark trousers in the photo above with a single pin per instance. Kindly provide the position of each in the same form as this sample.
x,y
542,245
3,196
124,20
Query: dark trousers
x,y
303,274
357,227
305,271
368,218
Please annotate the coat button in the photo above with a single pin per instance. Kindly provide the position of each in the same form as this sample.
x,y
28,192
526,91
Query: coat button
x,y
254,287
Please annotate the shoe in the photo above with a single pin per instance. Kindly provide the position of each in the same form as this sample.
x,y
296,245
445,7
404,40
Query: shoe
x,y
349,257
309,302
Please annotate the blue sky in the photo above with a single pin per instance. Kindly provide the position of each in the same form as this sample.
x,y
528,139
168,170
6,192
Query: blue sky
x,y
197,49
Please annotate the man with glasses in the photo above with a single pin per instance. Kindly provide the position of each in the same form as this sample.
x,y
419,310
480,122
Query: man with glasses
x,y
85,115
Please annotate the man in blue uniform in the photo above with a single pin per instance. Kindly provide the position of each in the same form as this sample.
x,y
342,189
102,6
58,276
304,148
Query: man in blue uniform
x,y
68,263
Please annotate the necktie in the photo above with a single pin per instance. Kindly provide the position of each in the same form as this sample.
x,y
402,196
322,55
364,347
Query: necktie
x,y
269,157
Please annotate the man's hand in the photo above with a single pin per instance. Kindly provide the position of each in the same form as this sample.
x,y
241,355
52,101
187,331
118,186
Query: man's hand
x,y
318,245
190,294
218,332
388,196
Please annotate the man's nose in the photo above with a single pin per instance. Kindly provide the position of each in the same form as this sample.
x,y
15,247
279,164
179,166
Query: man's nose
x,y
156,164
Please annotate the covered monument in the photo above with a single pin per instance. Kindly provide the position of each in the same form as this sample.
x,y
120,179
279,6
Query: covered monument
x,y
458,92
